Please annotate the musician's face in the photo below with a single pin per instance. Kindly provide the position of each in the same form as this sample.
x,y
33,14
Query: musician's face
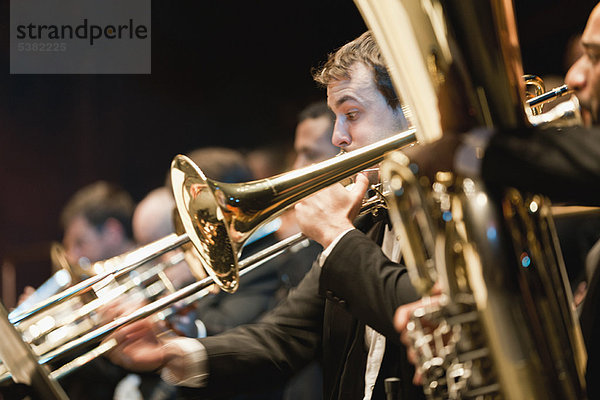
x,y
313,141
584,75
362,113
83,240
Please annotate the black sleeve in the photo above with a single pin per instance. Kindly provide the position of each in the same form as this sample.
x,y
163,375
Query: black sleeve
x,y
222,311
371,286
563,164
267,353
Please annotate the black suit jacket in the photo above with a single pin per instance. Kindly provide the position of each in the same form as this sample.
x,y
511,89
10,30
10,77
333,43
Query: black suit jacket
x,y
323,318
563,164
255,295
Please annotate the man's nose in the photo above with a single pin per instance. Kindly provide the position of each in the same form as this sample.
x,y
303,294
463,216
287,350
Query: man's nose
x,y
340,138
576,76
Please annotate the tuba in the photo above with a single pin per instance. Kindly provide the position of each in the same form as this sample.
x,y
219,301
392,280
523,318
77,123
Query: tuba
x,y
504,326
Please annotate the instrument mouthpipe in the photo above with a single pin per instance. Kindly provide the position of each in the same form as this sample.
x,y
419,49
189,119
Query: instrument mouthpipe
x,y
548,96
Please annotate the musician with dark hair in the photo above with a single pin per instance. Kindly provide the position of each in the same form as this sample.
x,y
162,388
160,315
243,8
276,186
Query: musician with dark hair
x,y
312,142
218,311
341,313
97,223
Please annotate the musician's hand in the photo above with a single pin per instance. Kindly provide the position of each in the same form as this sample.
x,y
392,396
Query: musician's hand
x,y
138,347
329,212
402,318
579,294
119,307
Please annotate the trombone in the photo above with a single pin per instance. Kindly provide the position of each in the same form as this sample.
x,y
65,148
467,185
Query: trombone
x,y
78,316
218,218
114,267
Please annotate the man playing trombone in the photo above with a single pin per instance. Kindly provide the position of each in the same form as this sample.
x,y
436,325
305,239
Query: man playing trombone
x,y
342,311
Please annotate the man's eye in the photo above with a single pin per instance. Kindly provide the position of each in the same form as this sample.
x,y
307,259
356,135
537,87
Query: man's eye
x,y
594,57
352,115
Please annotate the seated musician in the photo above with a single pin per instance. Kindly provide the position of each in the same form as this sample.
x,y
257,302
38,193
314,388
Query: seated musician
x,y
217,312
97,225
341,313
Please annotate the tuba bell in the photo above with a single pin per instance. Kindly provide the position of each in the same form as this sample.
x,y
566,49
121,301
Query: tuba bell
x,y
504,326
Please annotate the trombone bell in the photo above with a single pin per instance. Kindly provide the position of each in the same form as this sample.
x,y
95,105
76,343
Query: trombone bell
x,y
205,223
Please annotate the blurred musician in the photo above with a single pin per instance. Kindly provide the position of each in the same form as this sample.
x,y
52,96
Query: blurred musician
x,y
342,311
312,143
153,220
97,225
584,78
219,311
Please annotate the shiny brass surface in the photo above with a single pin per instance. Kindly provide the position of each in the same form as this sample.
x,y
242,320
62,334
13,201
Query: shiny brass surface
x,y
565,113
549,95
159,307
534,87
58,258
78,316
411,214
113,267
219,217
505,326
19,359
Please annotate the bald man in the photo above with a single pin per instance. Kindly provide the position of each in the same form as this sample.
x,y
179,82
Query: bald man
x,y
153,216
584,76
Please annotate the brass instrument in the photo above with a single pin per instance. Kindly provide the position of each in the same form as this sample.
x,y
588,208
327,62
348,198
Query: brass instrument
x,y
75,317
504,327
111,269
544,97
566,113
218,218
534,87
81,314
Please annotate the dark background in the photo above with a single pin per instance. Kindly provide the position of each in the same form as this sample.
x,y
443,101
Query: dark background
x,y
227,73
